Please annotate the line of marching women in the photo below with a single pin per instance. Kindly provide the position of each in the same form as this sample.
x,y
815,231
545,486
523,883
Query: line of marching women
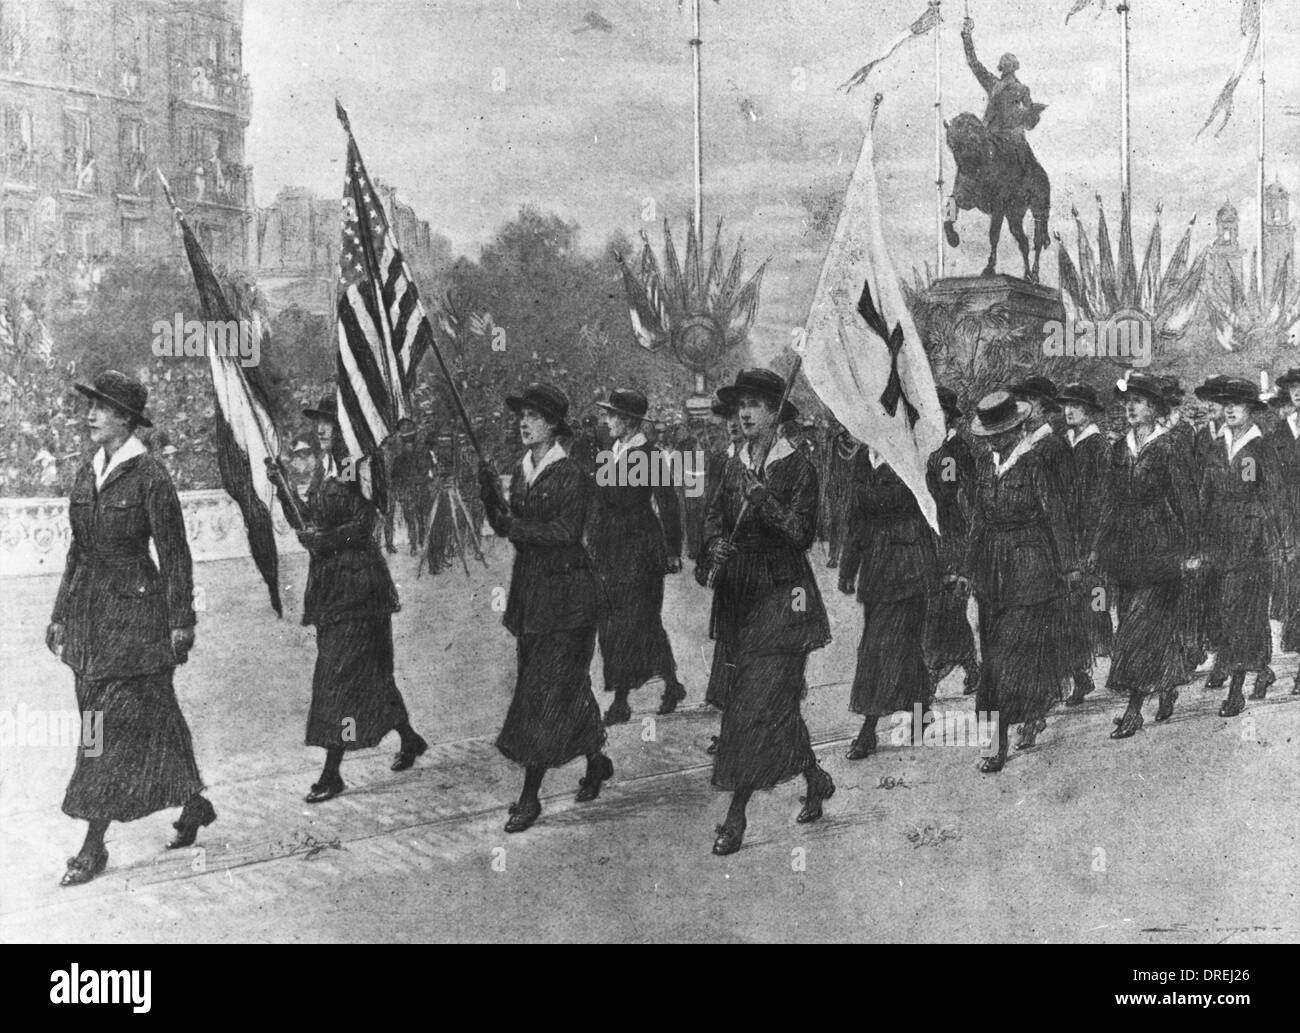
x,y
1185,536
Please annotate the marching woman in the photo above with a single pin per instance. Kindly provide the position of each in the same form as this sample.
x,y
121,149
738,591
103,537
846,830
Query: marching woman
x,y
1246,522
1286,439
890,552
632,549
1090,627
1144,540
1018,561
552,609
767,611
350,598
123,625
722,668
950,476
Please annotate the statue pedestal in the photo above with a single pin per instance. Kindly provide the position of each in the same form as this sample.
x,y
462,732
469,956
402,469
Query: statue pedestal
x,y
1026,302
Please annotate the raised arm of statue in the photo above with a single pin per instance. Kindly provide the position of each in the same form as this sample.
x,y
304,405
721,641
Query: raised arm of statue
x,y
986,79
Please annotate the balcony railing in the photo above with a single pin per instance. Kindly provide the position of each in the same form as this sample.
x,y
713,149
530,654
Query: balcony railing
x,y
201,82
212,181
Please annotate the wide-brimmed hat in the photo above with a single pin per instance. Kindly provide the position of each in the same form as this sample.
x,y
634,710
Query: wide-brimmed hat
x,y
630,404
547,399
997,413
1211,387
1288,379
1152,388
762,382
1040,388
326,409
1233,391
1173,389
1080,394
125,394
948,402
720,408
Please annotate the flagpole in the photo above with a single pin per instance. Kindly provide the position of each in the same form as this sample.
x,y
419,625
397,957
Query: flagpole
x,y
1259,254
1125,165
938,141
696,44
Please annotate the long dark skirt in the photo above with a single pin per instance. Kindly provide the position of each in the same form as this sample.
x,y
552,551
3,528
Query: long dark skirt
x,y
1244,637
1025,660
354,699
763,740
146,758
1149,649
553,717
1090,632
633,644
891,673
949,641
721,675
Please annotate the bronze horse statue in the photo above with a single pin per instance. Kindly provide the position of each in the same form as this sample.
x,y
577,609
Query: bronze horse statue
x,y
994,178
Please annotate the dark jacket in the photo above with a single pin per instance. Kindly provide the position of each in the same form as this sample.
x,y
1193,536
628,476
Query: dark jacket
x,y
1021,543
890,548
412,475
1148,522
950,475
628,541
347,578
1089,462
118,608
1247,516
552,586
766,592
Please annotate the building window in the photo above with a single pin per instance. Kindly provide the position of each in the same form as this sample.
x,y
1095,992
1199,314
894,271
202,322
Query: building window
x,y
18,232
14,37
79,161
132,152
132,236
78,237
18,155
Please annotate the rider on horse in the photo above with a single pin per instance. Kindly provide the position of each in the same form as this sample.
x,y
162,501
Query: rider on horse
x,y
1010,110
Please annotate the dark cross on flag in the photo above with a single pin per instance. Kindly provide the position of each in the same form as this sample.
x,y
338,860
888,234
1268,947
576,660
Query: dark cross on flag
x,y
894,342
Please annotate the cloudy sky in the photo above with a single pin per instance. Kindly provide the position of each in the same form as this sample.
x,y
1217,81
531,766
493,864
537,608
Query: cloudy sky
x,y
475,107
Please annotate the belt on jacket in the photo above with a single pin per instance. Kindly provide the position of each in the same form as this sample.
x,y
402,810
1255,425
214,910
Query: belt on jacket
x,y
100,558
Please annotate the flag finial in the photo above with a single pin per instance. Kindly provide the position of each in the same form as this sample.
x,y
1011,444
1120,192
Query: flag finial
x,y
342,113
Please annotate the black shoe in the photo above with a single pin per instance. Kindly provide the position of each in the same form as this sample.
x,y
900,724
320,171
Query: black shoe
x,y
712,748
1128,726
1233,705
81,870
1082,687
1218,678
1167,700
832,562
325,789
992,765
1029,733
407,754
619,713
196,813
820,787
1263,680
590,783
673,694
863,746
730,836
522,817
1075,698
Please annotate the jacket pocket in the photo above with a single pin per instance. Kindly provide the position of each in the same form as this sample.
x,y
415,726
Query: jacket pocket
x,y
122,518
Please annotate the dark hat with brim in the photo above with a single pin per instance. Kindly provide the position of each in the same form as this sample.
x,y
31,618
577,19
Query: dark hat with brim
x,y
125,394
1080,394
1039,389
631,405
1289,379
1143,385
547,399
720,408
326,409
1173,389
761,382
1233,391
998,413
948,402
1211,387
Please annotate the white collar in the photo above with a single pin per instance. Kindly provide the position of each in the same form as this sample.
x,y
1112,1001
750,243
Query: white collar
x,y
780,450
1236,446
1131,438
731,449
619,446
532,472
1293,421
1084,435
129,449
952,433
1044,431
1026,443
875,458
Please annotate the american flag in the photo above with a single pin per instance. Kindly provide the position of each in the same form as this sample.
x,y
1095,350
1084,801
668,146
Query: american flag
x,y
382,328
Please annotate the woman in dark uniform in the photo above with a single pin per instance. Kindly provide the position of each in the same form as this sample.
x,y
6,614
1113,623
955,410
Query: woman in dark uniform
x,y
1286,589
767,610
350,598
890,552
632,549
1247,521
1145,540
722,668
123,625
1089,623
950,476
553,607
1019,561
